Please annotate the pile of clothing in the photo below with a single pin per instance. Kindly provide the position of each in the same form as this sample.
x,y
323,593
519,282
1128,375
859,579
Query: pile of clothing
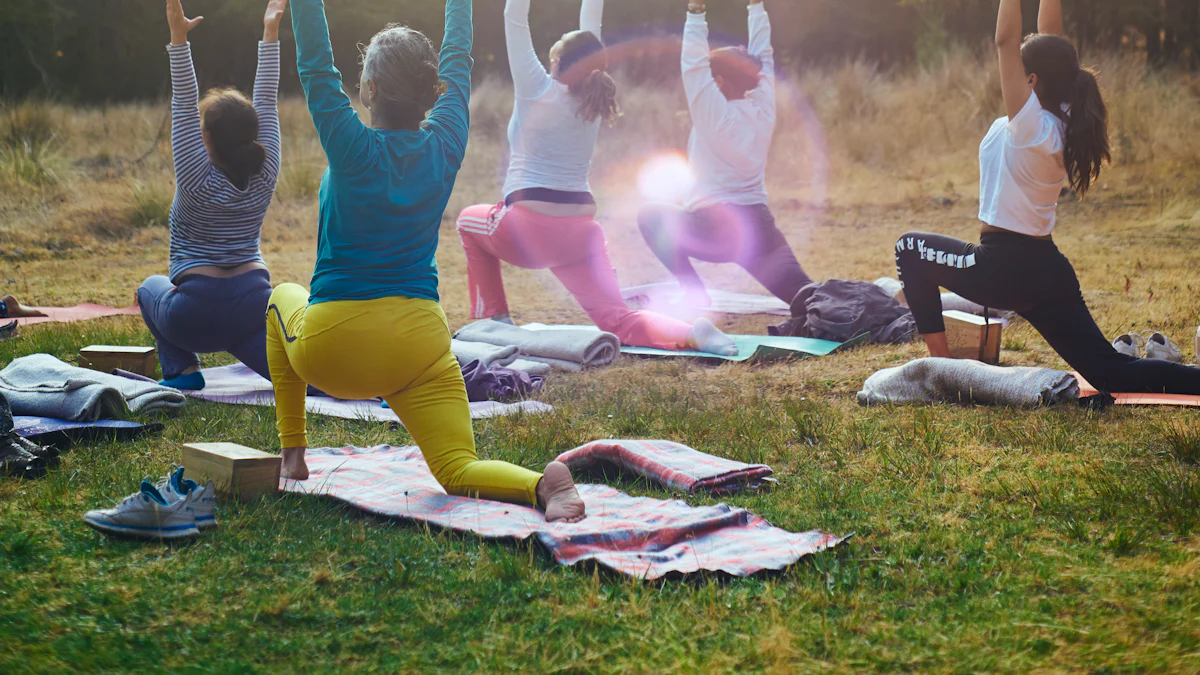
x,y
535,351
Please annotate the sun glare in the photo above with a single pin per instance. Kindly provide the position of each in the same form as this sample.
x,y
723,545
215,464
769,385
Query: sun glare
x,y
666,178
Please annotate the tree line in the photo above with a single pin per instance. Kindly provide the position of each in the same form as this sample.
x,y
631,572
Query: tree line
x,y
112,50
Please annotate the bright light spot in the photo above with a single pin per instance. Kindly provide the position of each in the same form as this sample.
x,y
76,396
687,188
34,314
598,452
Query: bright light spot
x,y
666,178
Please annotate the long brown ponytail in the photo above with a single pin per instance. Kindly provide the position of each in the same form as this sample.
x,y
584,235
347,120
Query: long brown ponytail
x,y
1062,82
232,126
583,67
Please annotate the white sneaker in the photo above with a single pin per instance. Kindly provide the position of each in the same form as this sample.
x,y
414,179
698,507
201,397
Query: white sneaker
x,y
146,515
174,487
1129,344
1159,346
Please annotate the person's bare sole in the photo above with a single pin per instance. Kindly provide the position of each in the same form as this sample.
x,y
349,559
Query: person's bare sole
x,y
294,467
18,311
558,497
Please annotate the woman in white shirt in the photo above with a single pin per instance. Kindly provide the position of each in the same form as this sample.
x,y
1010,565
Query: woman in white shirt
x,y
548,217
731,98
1056,130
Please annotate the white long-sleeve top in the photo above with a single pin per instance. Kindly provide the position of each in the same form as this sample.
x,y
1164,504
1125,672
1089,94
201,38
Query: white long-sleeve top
x,y
730,140
550,146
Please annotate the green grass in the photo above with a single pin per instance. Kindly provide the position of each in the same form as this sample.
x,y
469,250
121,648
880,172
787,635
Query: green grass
x,y
987,540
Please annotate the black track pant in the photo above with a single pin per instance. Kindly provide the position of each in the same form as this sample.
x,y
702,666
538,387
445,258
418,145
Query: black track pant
x,y
726,233
1032,278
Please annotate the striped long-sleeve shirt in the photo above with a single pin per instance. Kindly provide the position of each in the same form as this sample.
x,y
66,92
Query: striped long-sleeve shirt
x,y
212,221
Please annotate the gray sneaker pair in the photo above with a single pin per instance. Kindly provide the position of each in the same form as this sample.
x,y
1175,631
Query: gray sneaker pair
x,y
1148,345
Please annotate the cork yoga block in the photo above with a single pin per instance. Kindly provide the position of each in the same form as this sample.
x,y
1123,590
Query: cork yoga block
x,y
973,337
107,358
235,470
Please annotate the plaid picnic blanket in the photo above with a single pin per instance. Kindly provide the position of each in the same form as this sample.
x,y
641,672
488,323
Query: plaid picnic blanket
x,y
640,536
669,464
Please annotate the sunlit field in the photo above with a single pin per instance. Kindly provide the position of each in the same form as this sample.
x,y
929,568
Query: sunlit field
x,y
986,539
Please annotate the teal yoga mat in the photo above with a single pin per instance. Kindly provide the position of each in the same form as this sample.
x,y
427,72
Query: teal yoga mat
x,y
758,348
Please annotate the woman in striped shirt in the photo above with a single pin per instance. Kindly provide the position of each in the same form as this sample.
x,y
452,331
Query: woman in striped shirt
x,y
227,156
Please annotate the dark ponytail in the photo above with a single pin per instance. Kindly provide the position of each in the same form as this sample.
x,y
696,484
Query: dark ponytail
x,y
583,67
232,126
1087,148
1063,83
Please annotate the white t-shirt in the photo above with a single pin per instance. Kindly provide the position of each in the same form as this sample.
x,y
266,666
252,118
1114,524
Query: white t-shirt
x,y
1021,171
730,140
549,145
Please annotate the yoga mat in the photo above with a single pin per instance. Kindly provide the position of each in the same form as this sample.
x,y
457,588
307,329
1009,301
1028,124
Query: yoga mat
x,y
758,348
56,431
82,312
238,385
643,537
1177,400
669,464
663,298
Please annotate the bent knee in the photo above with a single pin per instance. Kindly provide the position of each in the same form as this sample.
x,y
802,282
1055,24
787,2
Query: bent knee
x,y
474,218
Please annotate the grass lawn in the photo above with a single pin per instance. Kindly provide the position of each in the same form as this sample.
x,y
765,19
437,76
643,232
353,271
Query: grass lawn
x,y
987,539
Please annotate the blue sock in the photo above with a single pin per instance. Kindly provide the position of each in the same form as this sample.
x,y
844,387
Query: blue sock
x,y
191,382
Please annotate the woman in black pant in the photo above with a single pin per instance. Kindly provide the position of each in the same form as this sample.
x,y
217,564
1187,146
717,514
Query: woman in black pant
x,y
1056,129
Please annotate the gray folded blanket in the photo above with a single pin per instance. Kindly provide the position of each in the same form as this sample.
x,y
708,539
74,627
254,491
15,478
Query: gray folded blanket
x,y
43,386
491,355
933,380
571,350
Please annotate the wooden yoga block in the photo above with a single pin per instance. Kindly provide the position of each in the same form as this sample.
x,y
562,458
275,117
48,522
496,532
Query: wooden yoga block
x,y
973,337
106,358
235,470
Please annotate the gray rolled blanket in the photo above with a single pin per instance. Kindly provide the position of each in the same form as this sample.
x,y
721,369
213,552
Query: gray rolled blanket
x,y
566,349
43,386
933,380
491,355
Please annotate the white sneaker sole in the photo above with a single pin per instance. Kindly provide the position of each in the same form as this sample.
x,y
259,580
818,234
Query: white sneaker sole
x,y
206,523
142,531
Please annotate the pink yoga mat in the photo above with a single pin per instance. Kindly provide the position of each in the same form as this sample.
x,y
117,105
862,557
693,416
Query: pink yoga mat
x,y
84,312
643,537
1178,400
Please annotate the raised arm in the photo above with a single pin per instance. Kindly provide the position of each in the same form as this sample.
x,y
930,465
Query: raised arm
x,y
1050,18
705,100
192,165
760,39
1014,83
591,17
451,116
342,133
530,78
266,86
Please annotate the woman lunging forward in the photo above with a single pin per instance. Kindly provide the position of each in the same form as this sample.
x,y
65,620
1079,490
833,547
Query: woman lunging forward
x,y
1056,130
226,153
548,216
731,97
372,325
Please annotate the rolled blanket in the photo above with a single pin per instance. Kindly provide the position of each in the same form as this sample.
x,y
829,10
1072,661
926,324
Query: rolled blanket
x,y
669,464
491,355
41,385
933,380
563,349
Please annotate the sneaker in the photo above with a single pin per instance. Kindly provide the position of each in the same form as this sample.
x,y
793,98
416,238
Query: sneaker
x,y
146,515
1129,344
174,487
1159,346
16,461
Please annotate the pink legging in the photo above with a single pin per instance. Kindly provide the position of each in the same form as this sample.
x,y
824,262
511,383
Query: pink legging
x,y
575,251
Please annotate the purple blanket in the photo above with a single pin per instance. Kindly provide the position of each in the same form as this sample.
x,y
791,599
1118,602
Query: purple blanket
x,y
669,464
239,385
639,536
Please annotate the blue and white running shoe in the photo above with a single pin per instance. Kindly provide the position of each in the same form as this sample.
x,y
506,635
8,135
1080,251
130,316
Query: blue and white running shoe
x,y
174,487
146,515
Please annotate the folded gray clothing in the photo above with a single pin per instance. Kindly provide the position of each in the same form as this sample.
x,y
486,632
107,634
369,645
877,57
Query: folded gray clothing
x,y
492,355
932,380
43,386
563,349
949,300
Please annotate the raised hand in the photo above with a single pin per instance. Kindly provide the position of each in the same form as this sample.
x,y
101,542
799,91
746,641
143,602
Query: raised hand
x,y
179,23
272,19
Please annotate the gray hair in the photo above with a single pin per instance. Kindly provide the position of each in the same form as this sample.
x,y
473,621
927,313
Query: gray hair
x,y
403,65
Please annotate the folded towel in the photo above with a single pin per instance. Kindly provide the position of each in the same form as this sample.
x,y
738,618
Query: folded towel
x,y
491,355
933,380
571,350
669,464
43,386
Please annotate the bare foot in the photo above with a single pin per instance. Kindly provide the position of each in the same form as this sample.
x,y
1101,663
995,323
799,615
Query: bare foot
x,y
557,495
16,310
294,467
705,337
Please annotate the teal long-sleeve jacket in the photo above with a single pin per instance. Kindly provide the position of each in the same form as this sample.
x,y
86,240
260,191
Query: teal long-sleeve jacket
x,y
383,196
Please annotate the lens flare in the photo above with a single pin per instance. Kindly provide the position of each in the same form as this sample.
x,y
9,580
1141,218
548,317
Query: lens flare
x,y
666,178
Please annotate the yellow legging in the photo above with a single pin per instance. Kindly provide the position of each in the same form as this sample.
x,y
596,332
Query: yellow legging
x,y
397,348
